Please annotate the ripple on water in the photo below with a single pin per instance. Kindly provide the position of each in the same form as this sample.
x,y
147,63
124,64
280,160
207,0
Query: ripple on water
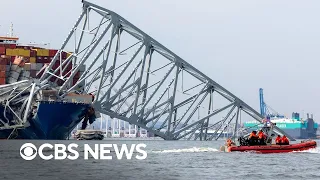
x,y
188,150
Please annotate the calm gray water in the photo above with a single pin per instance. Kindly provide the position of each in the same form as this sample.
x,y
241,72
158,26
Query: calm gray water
x,y
166,160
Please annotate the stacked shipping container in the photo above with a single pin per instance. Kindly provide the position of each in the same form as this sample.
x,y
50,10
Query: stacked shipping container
x,y
3,63
25,62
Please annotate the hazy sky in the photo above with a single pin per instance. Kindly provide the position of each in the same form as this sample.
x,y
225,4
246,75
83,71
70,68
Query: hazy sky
x,y
242,45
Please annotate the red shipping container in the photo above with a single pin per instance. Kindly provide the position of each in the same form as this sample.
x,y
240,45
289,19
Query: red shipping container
x,y
60,82
3,61
75,80
69,67
56,65
53,78
13,58
52,52
26,59
38,59
64,55
77,75
2,67
2,81
66,68
2,50
12,46
42,60
67,73
2,74
46,59
22,64
33,53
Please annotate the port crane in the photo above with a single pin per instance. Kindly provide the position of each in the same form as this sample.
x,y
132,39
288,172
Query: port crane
x,y
266,110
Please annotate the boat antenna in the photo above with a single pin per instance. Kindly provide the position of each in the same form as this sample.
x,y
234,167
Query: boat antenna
x,y
11,30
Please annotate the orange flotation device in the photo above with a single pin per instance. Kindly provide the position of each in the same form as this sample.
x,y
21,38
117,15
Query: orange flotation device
x,y
278,140
252,134
261,135
284,140
229,142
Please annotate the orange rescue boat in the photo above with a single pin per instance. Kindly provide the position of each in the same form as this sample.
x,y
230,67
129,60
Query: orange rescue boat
x,y
303,145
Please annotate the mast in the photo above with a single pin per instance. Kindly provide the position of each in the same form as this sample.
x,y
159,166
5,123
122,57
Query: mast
x,y
11,30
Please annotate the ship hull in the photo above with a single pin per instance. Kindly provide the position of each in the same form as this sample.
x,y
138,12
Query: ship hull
x,y
304,145
54,121
301,133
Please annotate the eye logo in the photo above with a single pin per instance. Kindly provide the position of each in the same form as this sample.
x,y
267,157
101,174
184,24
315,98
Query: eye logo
x,y
28,151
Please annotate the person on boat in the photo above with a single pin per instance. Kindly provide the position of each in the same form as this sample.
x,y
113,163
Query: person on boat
x,y
278,140
253,138
262,137
253,135
230,143
284,140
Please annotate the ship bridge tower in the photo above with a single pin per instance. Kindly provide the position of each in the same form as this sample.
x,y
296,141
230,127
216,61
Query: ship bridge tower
x,y
10,38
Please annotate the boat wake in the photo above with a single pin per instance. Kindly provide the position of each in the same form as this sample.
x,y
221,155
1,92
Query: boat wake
x,y
188,150
312,151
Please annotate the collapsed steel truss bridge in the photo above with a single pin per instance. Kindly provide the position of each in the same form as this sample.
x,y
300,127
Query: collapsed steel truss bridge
x,y
136,79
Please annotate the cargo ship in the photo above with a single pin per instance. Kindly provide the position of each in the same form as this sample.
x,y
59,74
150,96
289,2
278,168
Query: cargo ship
x,y
295,126
50,118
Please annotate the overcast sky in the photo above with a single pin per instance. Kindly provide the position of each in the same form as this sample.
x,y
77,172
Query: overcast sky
x,y
242,45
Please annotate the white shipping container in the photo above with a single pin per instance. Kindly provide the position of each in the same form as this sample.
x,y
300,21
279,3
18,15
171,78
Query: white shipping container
x,y
11,80
26,74
39,66
33,66
15,75
24,78
16,68
27,66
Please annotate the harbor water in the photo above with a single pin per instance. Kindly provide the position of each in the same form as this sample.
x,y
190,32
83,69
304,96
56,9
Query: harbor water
x,y
165,160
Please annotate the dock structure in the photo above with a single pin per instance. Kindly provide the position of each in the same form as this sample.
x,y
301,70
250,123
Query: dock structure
x,y
136,79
